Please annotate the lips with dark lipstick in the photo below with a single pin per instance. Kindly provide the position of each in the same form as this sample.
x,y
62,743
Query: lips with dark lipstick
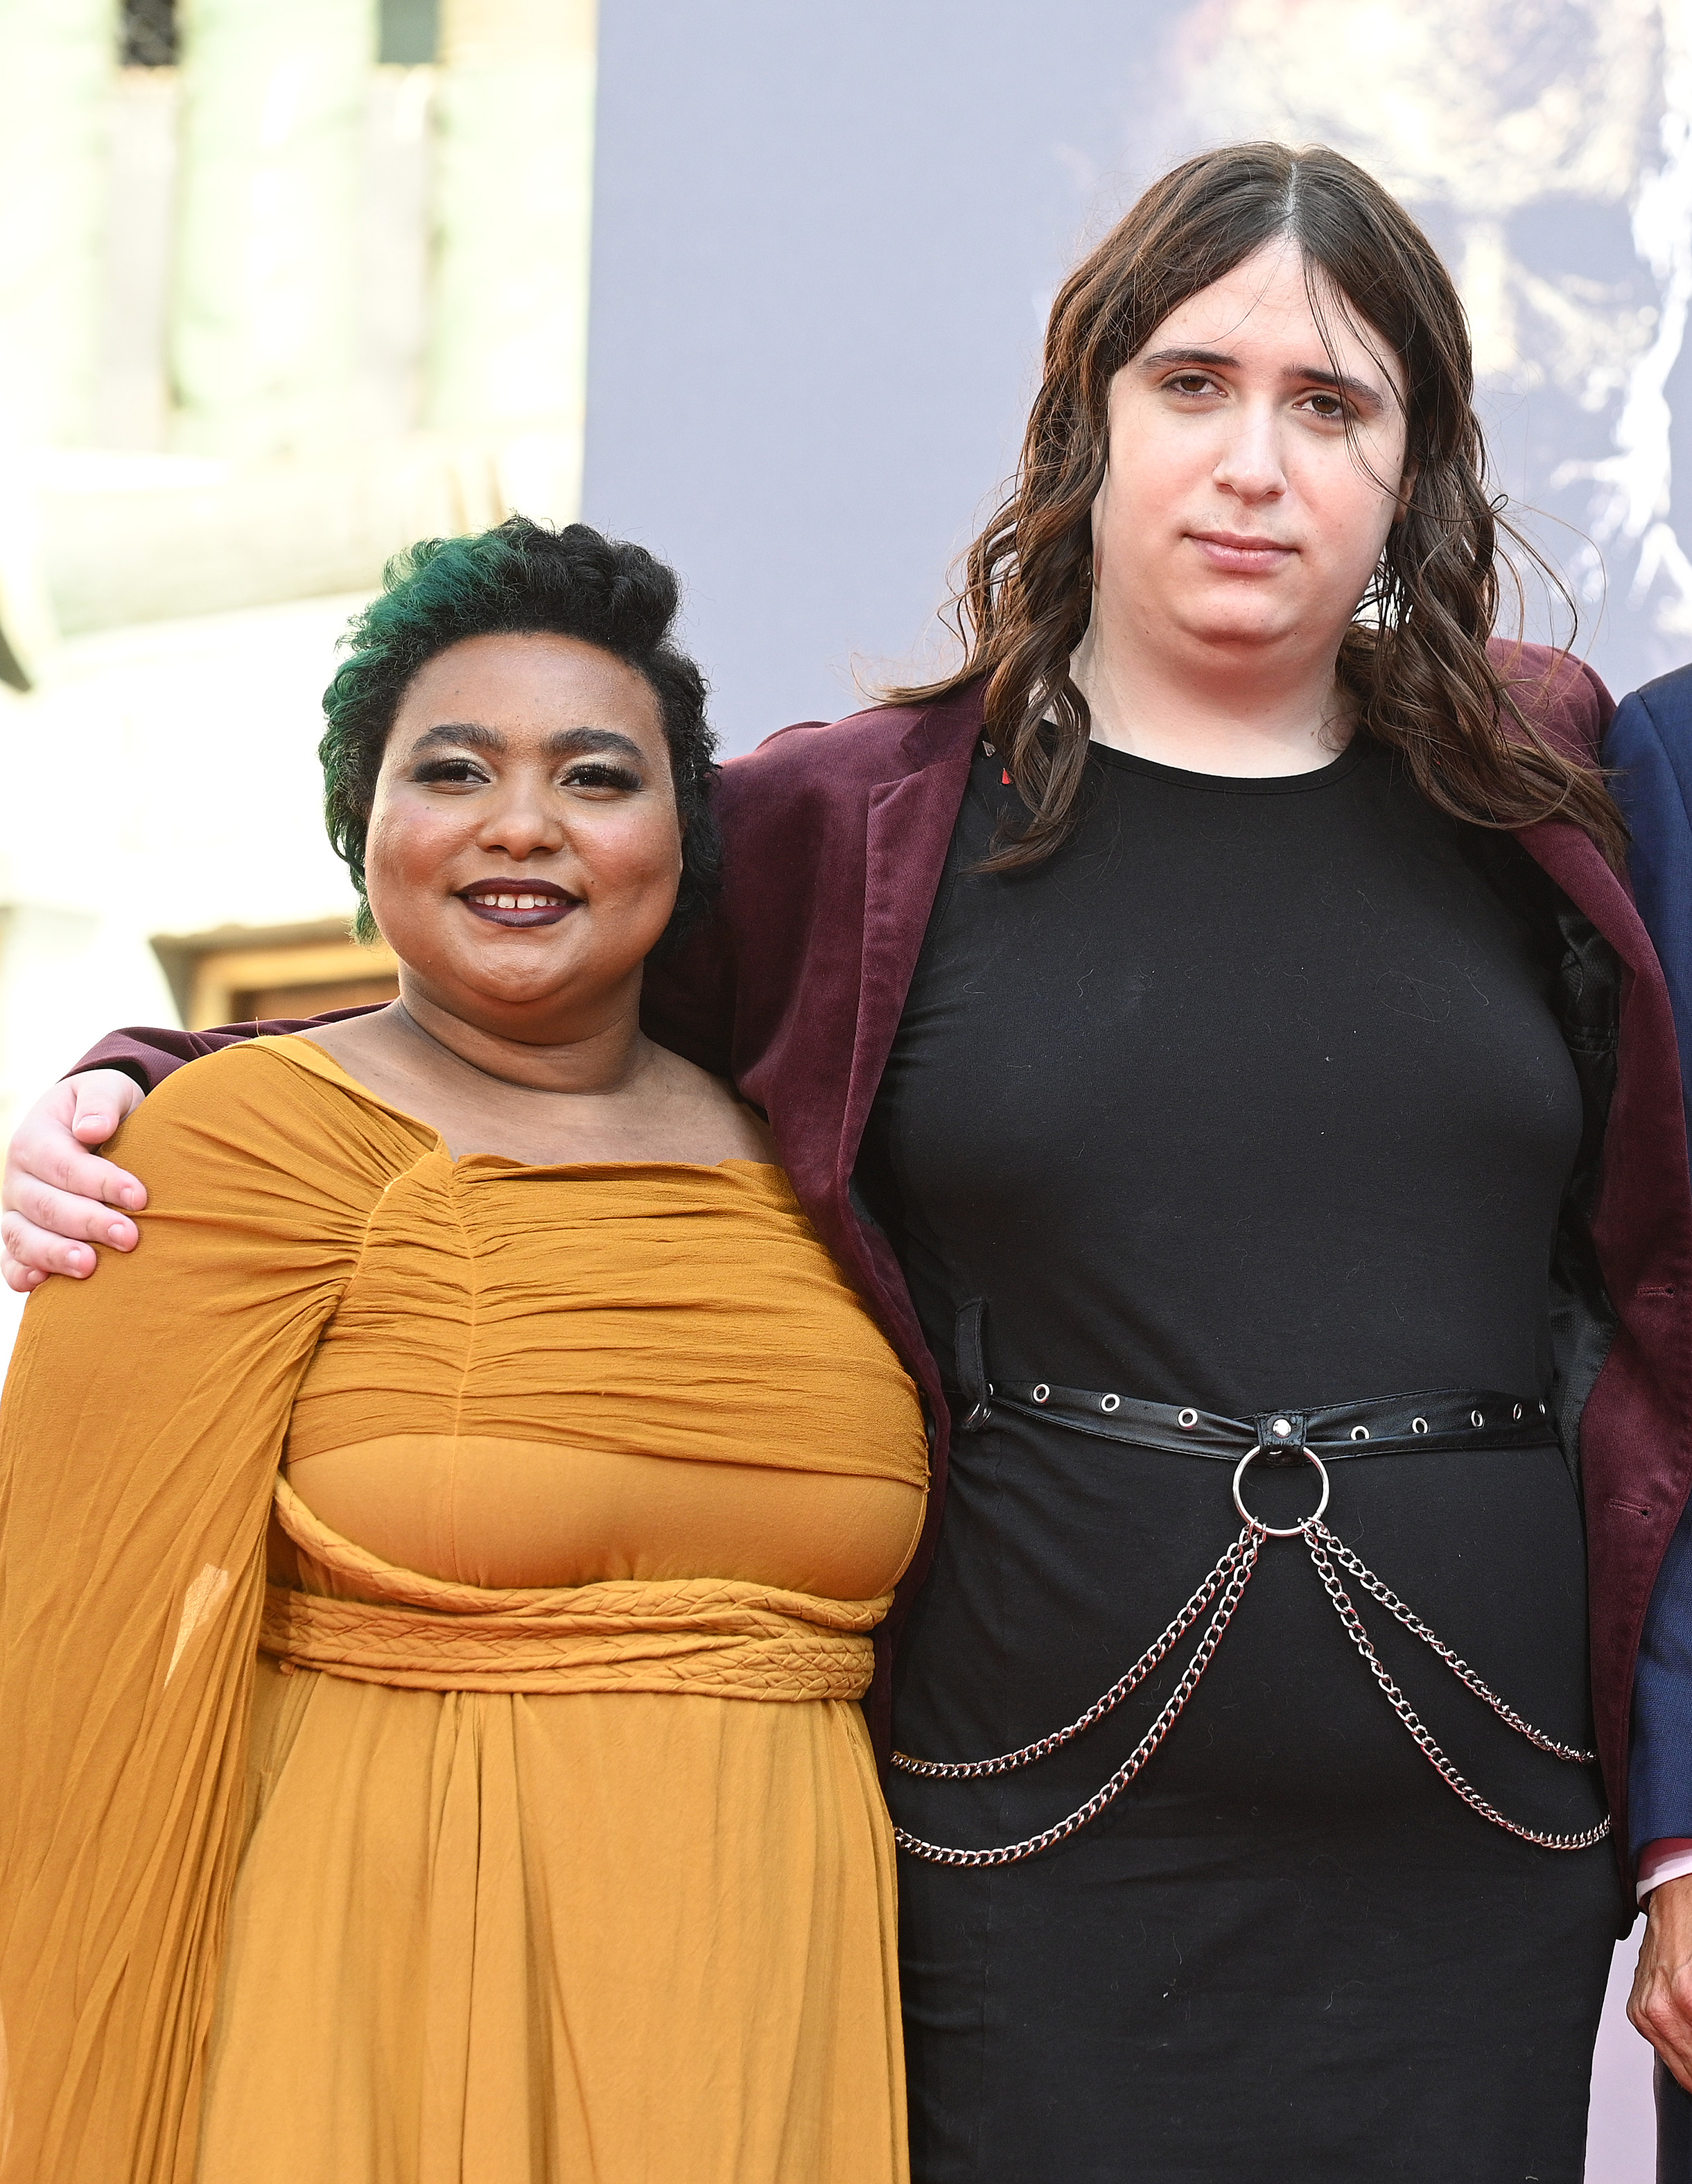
x,y
518,902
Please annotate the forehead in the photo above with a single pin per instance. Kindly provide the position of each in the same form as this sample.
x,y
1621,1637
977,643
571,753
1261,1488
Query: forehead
x,y
1261,312
537,681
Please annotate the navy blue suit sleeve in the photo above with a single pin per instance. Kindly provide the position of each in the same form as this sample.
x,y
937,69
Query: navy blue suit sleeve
x,y
1650,746
1660,1763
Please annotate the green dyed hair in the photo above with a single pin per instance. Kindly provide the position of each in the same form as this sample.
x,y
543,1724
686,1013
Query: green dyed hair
x,y
518,580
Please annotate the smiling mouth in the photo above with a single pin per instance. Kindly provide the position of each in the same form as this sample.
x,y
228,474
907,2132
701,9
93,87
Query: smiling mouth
x,y
504,902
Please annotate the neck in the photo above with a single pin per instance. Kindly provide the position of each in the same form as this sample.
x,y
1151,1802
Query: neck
x,y
1233,710
607,1058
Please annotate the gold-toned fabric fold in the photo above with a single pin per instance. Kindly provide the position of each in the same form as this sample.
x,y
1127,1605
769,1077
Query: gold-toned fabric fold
x,y
144,1418
709,1637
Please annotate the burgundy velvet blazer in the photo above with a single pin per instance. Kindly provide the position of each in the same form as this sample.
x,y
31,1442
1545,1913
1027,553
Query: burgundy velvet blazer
x,y
836,838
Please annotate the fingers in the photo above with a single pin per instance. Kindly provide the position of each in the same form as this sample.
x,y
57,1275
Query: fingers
x,y
101,1098
50,1230
61,1199
36,1251
1663,2012
45,1172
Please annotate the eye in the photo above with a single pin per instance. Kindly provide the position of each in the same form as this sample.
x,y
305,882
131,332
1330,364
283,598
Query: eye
x,y
601,773
450,770
1332,409
1191,382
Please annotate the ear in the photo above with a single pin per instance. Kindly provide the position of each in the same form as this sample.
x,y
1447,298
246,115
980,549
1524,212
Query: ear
x,y
1406,488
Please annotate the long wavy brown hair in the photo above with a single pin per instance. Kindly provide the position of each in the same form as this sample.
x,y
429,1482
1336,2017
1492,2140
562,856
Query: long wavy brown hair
x,y
1413,665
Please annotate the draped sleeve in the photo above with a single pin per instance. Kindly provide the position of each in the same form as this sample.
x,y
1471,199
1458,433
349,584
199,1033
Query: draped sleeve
x,y
142,1421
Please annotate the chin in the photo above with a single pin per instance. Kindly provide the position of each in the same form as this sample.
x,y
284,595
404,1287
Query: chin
x,y
1231,630
535,990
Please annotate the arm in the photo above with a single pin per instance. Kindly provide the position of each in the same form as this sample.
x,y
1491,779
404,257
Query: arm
x,y
139,1437
1650,748
150,1054
59,1198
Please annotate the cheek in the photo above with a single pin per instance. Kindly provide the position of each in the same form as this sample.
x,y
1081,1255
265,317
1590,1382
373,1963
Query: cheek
x,y
1357,509
405,848
1152,477
1359,518
630,861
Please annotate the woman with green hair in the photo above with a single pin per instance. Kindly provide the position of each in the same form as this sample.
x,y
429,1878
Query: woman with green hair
x,y
438,1576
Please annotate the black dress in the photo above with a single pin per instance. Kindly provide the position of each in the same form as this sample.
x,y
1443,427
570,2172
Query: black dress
x,y
1253,1095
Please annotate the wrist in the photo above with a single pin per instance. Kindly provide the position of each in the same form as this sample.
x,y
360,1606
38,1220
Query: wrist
x,y
1667,1859
1669,1909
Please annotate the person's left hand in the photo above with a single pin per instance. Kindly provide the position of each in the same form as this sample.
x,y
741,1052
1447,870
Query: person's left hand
x,y
1661,2004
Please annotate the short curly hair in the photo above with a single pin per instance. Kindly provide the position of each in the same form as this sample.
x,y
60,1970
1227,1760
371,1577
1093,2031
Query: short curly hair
x,y
520,579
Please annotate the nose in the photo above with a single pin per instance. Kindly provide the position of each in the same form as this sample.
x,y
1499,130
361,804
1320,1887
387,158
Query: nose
x,y
1250,465
523,822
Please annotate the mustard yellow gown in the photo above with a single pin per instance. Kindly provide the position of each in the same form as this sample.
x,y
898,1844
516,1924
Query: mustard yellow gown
x,y
434,1597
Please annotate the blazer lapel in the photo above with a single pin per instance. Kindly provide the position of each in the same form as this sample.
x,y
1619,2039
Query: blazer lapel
x,y
909,830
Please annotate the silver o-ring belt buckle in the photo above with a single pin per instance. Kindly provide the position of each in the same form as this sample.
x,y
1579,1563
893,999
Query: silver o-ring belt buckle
x,y
1280,1531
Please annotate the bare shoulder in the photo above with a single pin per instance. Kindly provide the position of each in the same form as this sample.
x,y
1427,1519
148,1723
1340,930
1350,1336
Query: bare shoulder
x,y
354,1039
375,1052
708,1116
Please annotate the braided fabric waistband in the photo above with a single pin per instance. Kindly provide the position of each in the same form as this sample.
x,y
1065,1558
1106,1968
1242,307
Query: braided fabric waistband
x,y
709,1637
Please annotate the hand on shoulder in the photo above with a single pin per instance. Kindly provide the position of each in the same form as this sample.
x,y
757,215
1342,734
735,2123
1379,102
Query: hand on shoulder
x,y
60,1198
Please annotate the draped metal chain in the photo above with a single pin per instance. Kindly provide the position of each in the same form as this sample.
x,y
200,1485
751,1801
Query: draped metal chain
x,y
1224,1584
1318,1537
1010,1853
1242,1551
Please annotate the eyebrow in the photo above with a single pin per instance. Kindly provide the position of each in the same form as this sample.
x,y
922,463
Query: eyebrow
x,y
1317,375
563,743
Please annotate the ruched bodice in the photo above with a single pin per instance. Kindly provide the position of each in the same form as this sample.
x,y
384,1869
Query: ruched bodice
x,y
554,1376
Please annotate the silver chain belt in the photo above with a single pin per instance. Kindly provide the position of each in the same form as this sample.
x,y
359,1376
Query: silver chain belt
x,y
1221,1591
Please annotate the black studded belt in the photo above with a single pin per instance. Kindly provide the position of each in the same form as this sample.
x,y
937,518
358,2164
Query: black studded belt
x,y
1441,1418
1378,1425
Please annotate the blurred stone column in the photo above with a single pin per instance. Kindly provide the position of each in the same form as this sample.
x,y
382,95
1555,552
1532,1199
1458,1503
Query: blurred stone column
x,y
57,72
57,63
513,211
264,320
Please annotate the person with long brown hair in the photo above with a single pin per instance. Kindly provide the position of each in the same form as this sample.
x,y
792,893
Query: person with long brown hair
x,y
1210,1028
